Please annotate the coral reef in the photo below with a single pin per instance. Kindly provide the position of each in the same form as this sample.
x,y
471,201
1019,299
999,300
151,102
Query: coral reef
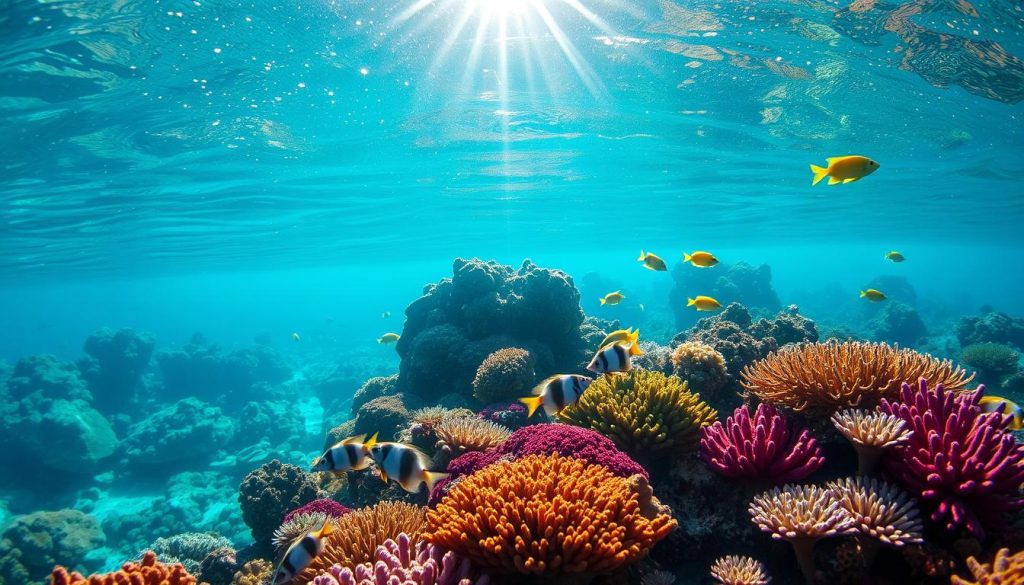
x,y
760,447
737,570
545,515
456,436
785,328
656,357
146,572
385,416
219,566
511,415
820,378
423,423
296,526
896,322
47,376
31,545
323,506
399,561
879,511
254,572
647,414
1005,569
505,375
188,431
736,283
114,366
269,492
870,433
701,366
374,388
992,327
200,367
992,362
959,461
188,549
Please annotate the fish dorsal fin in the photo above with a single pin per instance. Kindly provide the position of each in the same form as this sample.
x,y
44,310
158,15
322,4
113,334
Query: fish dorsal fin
x,y
834,159
539,388
355,439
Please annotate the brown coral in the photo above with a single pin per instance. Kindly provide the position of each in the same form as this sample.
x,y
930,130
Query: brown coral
x,y
504,375
870,432
146,572
825,377
1006,569
737,570
545,515
702,366
255,572
456,436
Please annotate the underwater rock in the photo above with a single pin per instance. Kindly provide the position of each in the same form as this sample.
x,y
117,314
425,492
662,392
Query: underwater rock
x,y
737,283
897,323
34,543
219,566
385,415
188,548
504,375
374,388
482,308
189,431
48,377
276,421
787,327
993,326
198,368
993,362
730,333
271,491
114,366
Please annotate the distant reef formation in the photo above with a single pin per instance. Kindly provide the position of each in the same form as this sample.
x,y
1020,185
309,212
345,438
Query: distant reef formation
x,y
741,283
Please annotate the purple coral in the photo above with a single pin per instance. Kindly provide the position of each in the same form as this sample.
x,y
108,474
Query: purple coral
x,y
398,561
762,447
959,459
510,415
324,506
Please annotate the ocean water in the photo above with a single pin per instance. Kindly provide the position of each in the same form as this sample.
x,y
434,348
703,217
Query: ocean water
x,y
270,179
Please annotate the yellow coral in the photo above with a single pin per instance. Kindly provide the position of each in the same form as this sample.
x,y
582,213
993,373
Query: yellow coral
x,y
546,515
645,413
1005,569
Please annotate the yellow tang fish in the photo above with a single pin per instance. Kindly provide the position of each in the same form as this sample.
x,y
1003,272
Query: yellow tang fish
x,y
700,259
406,465
894,256
628,335
301,553
612,298
844,169
872,295
652,262
389,338
702,303
556,393
1001,405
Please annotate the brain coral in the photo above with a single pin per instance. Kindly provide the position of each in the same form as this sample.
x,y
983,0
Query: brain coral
x,y
701,366
31,545
269,492
646,414
146,572
505,375
824,377
545,515
385,415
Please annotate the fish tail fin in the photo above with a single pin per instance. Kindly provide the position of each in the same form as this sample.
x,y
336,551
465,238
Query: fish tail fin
x,y
380,340
690,302
819,173
687,257
642,256
326,529
432,477
371,442
863,293
602,300
532,404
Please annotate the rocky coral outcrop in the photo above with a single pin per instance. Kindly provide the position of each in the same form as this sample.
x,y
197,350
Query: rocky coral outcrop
x,y
737,283
188,431
33,544
114,364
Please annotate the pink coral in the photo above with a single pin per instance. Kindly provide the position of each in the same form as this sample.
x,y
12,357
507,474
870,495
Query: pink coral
x,y
762,447
324,506
959,460
398,561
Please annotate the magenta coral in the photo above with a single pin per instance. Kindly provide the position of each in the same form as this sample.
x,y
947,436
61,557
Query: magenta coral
x,y
762,447
959,460
399,562
325,506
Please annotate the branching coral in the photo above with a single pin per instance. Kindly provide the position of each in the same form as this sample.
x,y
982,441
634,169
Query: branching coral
x,y
959,461
825,377
456,436
504,375
702,366
870,433
399,561
762,447
646,414
1006,569
737,570
879,510
801,515
545,515
146,572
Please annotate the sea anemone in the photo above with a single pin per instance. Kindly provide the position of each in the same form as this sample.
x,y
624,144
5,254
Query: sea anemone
x,y
146,572
658,578
456,436
762,447
1006,569
959,460
646,413
737,570
422,429
398,561
296,526
801,515
881,513
870,432
504,375
702,366
825,377
545,515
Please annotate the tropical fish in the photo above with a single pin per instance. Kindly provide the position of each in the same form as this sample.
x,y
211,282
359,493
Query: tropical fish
x,y
389,338
894,256
628,335
872,295
844,169
702,303
348,455
555,393
652,262
295,336
700,259
385,314
614,358
1002,405
406,465
301,553
612,298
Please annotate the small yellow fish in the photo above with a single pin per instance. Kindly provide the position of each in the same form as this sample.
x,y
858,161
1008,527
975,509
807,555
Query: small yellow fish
x,y
700,259
612,298
385,314
872,295
295,336
844,169
702,303
894,256
389,338
628,335
1004,406
652,262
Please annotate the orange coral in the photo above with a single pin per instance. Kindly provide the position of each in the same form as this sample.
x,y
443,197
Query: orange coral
x,y
546,515
1006,569
825,377
146,572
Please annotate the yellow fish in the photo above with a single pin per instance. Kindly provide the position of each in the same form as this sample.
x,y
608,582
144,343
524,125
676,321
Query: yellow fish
x,y
652,262
702,303
628,335
700,259
612,298
844,169
872,295
295,336
894,256
389,338
1001,405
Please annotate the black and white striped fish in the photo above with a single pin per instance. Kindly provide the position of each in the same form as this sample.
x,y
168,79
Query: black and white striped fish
x,y
300,554
556,393
348,455
406,465
613,358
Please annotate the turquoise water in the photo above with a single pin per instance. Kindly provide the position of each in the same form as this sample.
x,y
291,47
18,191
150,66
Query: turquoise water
x,y
257,170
